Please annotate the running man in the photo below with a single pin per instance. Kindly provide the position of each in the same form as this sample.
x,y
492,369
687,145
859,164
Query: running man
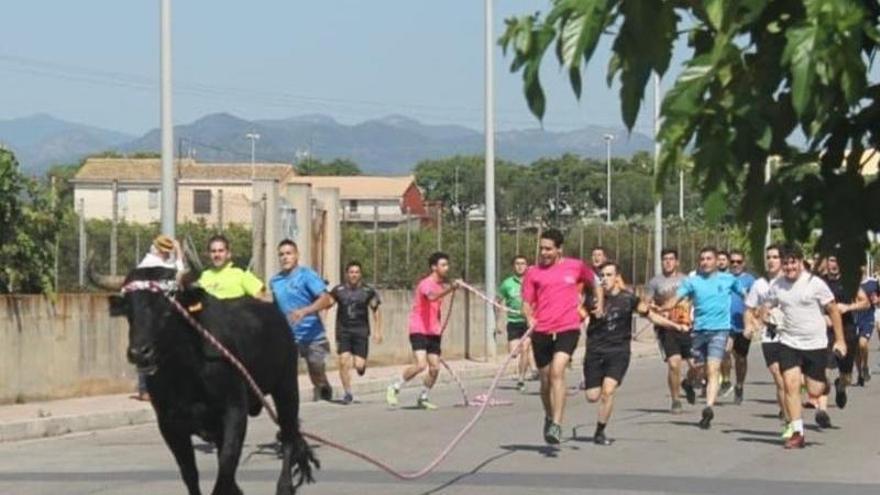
x,y
300,294
865,321
759,319
711,292
510,295
738,344
357,301
673,338
425,330
723,261
224,280
598,257
551,304
608,346
848,305
802,298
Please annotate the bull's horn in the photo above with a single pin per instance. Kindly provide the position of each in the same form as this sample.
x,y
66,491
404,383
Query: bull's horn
x,y
111,283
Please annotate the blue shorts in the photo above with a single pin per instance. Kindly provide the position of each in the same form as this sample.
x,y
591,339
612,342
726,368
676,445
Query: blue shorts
x,y
709,345
866,331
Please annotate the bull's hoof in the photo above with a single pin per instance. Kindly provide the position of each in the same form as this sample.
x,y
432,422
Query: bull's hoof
x,y
227,490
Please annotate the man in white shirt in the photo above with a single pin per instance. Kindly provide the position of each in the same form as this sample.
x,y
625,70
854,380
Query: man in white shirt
x,y
802,298
759,319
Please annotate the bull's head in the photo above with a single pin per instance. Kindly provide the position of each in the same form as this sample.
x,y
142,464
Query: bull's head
x,y
154,325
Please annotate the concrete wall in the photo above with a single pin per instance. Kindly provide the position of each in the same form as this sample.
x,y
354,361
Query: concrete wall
x,y
73,348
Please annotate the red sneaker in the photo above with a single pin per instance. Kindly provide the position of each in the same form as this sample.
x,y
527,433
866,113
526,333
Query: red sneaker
x,y
795,441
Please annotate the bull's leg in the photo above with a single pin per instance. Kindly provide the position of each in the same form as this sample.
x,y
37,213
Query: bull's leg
x,y
180,443
294,448
234,427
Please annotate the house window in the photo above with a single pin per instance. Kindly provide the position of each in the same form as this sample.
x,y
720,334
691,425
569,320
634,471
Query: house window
x,y
353,205
202,201
153,200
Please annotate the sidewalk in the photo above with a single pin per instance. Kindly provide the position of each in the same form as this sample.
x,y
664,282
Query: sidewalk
x,y
61,417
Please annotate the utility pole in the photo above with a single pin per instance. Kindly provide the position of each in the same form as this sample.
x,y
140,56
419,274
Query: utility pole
x,y
490,179
254,137
658,201
169,193
608,138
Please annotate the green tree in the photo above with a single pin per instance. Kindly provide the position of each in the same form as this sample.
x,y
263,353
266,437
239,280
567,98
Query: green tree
x,y
337,166
30,226
758,71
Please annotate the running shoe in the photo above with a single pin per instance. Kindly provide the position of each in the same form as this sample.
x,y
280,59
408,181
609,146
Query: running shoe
x,y
347,398
796,441
822,419
391,395
676,407
521,386
726,389
689,391
839,393
601,439
547,423
861,381
706,421
788,431
553,434
738,395
866,374
424,403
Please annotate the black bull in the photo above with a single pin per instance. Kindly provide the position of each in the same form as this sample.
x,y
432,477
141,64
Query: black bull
x,y
195,391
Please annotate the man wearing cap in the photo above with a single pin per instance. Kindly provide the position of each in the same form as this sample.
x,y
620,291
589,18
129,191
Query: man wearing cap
x,y
223,280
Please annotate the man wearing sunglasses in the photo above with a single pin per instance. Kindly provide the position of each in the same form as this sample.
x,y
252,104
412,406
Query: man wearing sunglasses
x,y
738,343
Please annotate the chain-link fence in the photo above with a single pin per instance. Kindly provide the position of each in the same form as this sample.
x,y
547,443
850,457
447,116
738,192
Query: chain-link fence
x,y
397,257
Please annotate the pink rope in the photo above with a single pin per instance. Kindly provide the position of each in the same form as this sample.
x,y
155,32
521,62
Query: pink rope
x,y
270,410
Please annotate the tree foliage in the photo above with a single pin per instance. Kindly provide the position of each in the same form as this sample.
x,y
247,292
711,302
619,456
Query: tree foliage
x,y
30,221
759,72
338,166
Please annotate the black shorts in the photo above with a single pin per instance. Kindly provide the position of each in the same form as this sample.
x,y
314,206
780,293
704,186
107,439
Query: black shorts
x,y
428,343
546,345
355,342
516,330
771,352
601,365
741,344
673,342
812,362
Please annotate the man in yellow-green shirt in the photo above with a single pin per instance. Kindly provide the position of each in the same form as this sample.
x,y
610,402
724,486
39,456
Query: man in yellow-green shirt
x,y
225,281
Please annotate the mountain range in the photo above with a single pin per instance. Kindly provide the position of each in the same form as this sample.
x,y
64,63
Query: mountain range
x,y
391,144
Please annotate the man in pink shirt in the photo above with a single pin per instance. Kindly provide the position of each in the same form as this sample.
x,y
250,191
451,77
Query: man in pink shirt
x,y
425,330
552,298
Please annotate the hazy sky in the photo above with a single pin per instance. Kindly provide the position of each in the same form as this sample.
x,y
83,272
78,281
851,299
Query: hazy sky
x,y
97,62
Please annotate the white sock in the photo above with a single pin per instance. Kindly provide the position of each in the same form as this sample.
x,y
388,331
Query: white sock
x,y
424,394
798,426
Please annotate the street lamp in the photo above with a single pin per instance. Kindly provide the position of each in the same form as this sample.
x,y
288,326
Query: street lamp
x,y
254,137
608,138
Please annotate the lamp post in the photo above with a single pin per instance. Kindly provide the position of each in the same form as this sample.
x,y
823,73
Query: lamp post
x,y
169,195
608,139
254,137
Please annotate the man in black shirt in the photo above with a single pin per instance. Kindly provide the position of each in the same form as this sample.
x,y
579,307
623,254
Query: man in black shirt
x,y
608,346
849,306
356,300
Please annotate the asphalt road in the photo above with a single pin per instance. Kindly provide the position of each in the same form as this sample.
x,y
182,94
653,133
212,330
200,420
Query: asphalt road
x,y
654,452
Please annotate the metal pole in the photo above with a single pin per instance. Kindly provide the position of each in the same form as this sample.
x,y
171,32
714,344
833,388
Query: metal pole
x,y
681,192
375,244
82,243
168,186
220,210
253,137
769,238
608,138
55,249
490,179
114,228
658,202
408,238
467,294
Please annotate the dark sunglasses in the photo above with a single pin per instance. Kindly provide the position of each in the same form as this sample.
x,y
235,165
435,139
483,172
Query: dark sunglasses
x,y
736,262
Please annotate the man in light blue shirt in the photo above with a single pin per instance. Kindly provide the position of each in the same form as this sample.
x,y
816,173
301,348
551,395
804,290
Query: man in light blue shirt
x,y
300,294
738,344
711,292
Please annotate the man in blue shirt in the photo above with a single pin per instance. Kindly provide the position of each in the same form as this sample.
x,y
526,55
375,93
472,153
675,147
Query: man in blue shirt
x,y
300,294
865,321
711,293
737,343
